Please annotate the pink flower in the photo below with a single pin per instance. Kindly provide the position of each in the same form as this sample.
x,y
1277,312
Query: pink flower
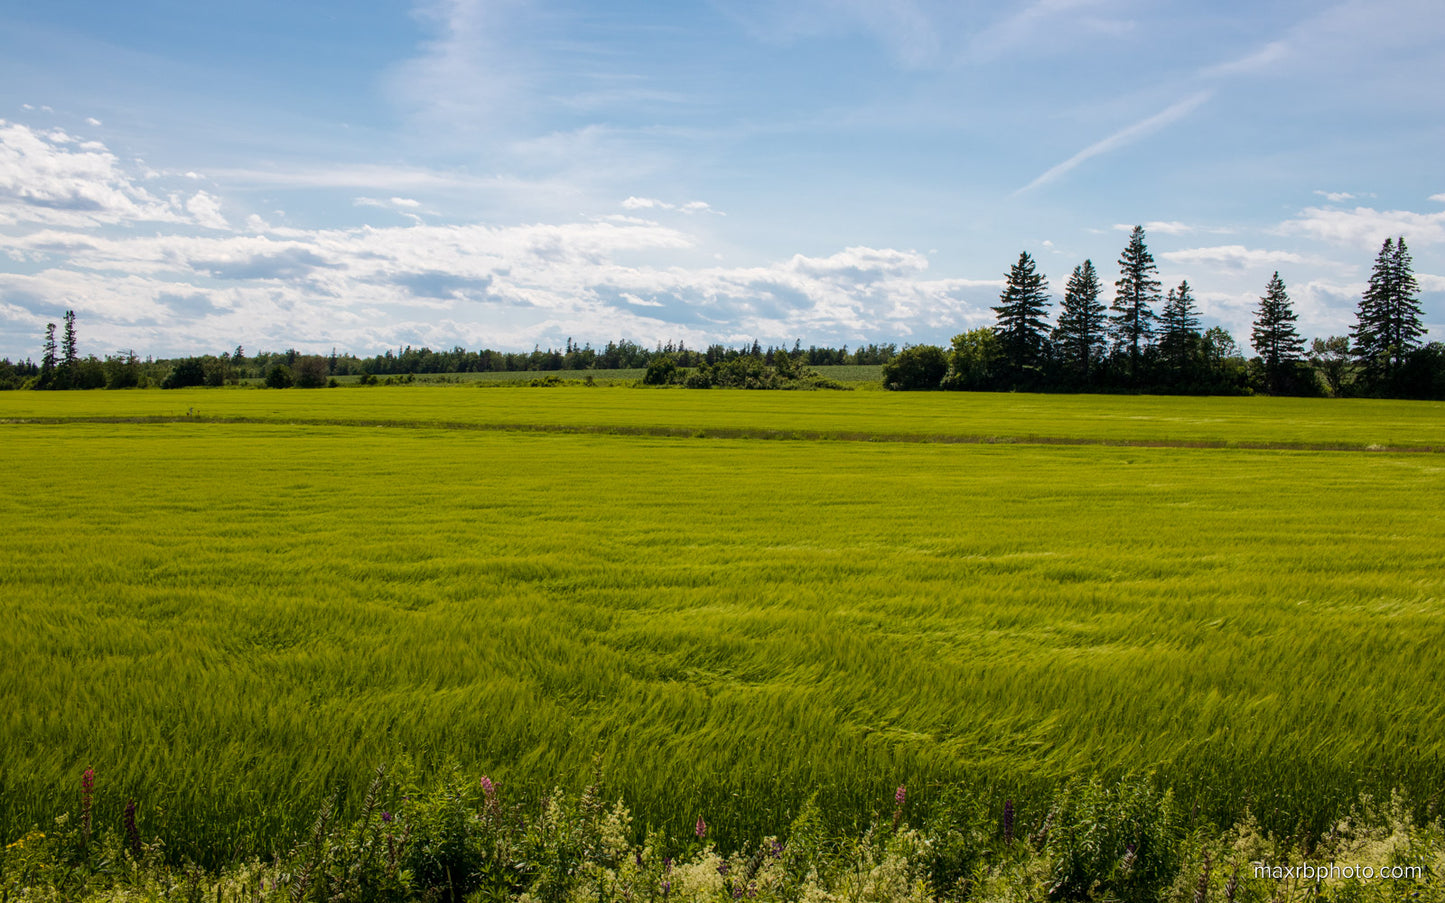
x,y
900,794
701,829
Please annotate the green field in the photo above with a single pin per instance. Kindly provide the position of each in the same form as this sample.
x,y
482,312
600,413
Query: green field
x,y
229,602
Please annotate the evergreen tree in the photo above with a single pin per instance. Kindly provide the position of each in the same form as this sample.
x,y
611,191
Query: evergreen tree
x,y
1387,324
47,360
1132,324
1274,335
1179,325
1021,326
65,373
1079,337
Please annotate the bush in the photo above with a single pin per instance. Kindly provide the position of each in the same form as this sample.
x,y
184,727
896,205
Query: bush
x,y
916,367
279,377
661,371
187,373
1111,843
310,372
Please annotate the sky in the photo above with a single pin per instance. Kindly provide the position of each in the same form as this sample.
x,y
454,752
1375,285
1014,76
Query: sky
x,y
317,174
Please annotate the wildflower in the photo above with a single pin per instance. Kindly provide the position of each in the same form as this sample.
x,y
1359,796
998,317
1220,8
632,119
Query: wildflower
x,y
701,829
132,833
386,817
777,849
87,795
488,788
899,794
722,869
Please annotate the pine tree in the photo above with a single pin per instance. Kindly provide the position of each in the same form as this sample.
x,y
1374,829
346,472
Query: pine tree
x,y
1079,336
47,360
1180,329
1021,327
65,373
1274,335
1132,325
1387,324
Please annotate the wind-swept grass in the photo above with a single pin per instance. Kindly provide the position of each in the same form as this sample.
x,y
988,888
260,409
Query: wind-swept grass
x,y
228,620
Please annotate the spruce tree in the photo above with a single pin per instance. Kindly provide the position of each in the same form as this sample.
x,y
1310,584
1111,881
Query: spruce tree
x,y
1274,335
65,374
47,360
1021,327
1387,326
1079,336
1132,324
1179,330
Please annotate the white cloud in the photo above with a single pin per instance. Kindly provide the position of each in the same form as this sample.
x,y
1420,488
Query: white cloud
x,y
54,178
636,203
1162,228
1236,257
1438,197
514,286
1366,228
91,120
1335,197
1123,137
206,209
1252,62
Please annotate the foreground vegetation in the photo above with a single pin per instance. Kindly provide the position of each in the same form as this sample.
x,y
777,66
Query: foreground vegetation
x,y
460,838
234,603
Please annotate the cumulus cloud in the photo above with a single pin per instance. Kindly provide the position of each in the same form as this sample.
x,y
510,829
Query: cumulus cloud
x,y
504,286
54,178
1365,227
206,209
1236,257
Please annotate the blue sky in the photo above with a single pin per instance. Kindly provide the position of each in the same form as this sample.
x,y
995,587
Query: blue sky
x,y
503,173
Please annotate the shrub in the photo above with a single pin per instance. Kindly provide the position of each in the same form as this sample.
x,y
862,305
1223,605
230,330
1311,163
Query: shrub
x,y
189,372
660,371
278,377
310,372
916,367
1111,843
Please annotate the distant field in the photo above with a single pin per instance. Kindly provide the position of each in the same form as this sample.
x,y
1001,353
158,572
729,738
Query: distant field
x,y
227,619
904,416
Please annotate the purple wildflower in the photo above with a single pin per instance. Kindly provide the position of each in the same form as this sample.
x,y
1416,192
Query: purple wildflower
x,y
737,893
386,817
87,795
132,833
900,794
701,829
722,869
488,788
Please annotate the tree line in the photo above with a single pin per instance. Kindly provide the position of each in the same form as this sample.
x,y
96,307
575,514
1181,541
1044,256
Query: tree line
x,y
1151,341
1146,340
125,369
